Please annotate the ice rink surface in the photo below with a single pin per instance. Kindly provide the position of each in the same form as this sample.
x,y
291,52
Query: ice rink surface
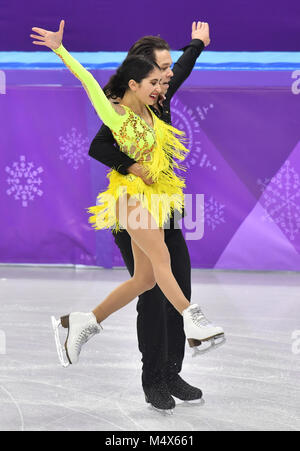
x,y
250,383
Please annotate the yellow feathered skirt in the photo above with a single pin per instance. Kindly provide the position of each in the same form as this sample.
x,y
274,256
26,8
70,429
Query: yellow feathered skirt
x,y
161,198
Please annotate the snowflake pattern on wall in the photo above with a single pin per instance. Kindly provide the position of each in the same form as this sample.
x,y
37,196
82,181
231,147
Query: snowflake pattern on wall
x,y
213,213
24,181
185,119
204,110
281,200
74,147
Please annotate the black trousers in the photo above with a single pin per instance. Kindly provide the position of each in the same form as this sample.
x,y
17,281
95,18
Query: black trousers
x,y
161,338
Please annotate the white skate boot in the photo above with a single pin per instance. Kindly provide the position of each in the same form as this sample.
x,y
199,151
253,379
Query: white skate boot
x,y
81,328
197,328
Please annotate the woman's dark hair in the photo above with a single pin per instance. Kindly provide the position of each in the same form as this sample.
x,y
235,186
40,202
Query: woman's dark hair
x,y
147,45
136,68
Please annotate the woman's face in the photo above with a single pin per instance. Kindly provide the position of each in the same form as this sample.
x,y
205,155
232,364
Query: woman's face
x,y
148,90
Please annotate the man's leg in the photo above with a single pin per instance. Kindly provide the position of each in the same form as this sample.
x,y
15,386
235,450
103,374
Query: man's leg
x,y
163,345
123,241
151,325
152,335
181,268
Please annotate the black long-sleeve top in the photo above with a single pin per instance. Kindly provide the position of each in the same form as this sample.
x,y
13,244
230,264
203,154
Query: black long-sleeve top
x,y
104,147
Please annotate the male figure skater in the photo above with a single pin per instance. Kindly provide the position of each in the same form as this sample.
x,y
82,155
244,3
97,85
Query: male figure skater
x,y
160,331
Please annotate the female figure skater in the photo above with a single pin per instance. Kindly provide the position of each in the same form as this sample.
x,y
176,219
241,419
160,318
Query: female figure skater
x,y
161,338
128,202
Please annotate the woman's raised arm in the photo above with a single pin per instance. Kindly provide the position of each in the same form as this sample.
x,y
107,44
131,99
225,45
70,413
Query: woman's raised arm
x,y
102,105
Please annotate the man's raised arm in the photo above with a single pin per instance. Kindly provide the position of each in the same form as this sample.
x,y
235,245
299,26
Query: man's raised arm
x,y
184,66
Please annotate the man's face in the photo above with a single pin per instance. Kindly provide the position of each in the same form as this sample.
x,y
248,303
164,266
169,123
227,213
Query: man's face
x,y
164,60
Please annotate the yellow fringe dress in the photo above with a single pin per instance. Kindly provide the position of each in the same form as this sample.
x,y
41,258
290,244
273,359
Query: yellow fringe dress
x,y
157,149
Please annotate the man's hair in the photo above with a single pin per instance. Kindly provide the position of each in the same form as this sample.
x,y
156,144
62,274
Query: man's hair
x,y
138,64
147,45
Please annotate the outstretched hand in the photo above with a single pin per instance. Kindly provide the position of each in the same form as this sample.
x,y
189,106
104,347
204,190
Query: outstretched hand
x,y
50,39
200,30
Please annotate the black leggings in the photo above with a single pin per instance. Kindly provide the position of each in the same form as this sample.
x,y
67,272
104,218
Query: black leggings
x,y
159,325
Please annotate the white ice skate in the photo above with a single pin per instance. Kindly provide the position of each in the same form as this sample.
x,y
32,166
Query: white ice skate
x,y
81,328
198,329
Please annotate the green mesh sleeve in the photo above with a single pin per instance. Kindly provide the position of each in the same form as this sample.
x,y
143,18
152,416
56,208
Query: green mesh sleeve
x,y
102,105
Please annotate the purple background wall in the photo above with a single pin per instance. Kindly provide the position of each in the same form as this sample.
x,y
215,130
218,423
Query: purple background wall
x,y
244,136
243,128
93,25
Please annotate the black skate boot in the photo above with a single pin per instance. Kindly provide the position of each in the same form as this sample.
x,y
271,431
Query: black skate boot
x,y
182,390
159,397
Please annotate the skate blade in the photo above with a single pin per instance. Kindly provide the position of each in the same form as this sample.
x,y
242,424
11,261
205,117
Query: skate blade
x,y
192,402
214,343
59,348
162,411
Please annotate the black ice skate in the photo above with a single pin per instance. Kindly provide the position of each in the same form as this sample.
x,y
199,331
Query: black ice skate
x,y
159,397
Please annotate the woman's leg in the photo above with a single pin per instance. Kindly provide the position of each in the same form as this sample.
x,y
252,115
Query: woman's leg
x,y
152,263
152,242
142,280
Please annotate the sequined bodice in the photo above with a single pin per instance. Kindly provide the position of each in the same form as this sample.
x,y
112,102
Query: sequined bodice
x,y
135,137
